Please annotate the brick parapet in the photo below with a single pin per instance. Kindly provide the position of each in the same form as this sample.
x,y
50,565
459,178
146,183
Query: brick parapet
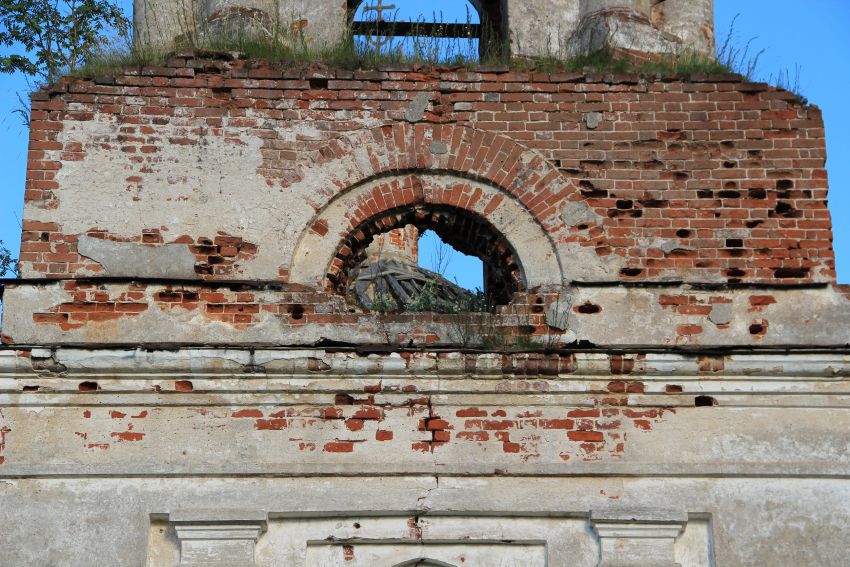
x,y
730,173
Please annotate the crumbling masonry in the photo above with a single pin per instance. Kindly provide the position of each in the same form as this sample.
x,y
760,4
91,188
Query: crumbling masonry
x,y
184,379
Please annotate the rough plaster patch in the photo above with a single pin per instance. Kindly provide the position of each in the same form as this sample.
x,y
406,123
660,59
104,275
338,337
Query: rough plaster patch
x,y
581,263
558,313
439,148
593,119
667,245
722,313
180,185
416,110
578,212
137,260
633,316
183,187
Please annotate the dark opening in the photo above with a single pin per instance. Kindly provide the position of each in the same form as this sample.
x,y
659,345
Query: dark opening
x,y
296,312
449,253
588,309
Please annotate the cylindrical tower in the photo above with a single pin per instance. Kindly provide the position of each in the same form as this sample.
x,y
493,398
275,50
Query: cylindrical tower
x,y
692,21
400,244
642,7
644,29
240,16
167,23
159,23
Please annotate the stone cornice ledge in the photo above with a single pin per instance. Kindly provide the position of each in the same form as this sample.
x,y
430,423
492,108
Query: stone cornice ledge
x,y
385,469
220,362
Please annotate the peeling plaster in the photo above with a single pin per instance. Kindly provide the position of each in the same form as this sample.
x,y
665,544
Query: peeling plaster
x,y
138,260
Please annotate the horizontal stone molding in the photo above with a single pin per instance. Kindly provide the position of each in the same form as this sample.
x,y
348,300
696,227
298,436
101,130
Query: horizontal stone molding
x,y
316,364
365,470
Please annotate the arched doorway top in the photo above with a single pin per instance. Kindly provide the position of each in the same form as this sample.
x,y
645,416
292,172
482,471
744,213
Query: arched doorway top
x,y
498,161
513,242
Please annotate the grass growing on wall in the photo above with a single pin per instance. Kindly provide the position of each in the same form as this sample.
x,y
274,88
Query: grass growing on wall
x,y
284,43
349,54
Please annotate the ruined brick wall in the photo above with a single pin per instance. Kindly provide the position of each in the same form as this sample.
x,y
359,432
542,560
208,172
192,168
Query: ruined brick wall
x,y
708,180
277,180
108,448
670,337
402,243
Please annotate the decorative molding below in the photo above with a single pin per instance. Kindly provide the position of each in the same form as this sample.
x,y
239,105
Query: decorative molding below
x,y
638,537
223,538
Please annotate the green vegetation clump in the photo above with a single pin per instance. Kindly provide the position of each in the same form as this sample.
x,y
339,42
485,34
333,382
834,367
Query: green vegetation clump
x,y
8,264
285,44
88,38
606,61
351,53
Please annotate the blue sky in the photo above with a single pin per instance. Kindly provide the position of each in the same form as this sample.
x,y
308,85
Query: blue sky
x,y
812,35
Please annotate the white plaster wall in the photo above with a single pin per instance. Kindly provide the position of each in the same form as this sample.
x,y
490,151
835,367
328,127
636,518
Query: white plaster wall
x,y
781,522
762,475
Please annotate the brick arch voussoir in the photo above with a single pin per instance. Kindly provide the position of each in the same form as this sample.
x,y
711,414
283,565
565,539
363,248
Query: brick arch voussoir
x,y
521,247
460,150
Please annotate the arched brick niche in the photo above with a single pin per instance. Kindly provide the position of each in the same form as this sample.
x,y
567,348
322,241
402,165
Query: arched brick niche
x,y
553,243
474,217
523,175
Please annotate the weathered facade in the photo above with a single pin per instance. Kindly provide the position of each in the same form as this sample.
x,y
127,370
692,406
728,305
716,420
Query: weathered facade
x,y
184,379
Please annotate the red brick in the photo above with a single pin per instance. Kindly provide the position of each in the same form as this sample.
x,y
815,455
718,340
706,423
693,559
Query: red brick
x,y
596,436
248,413
584,413
557,423
339,447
